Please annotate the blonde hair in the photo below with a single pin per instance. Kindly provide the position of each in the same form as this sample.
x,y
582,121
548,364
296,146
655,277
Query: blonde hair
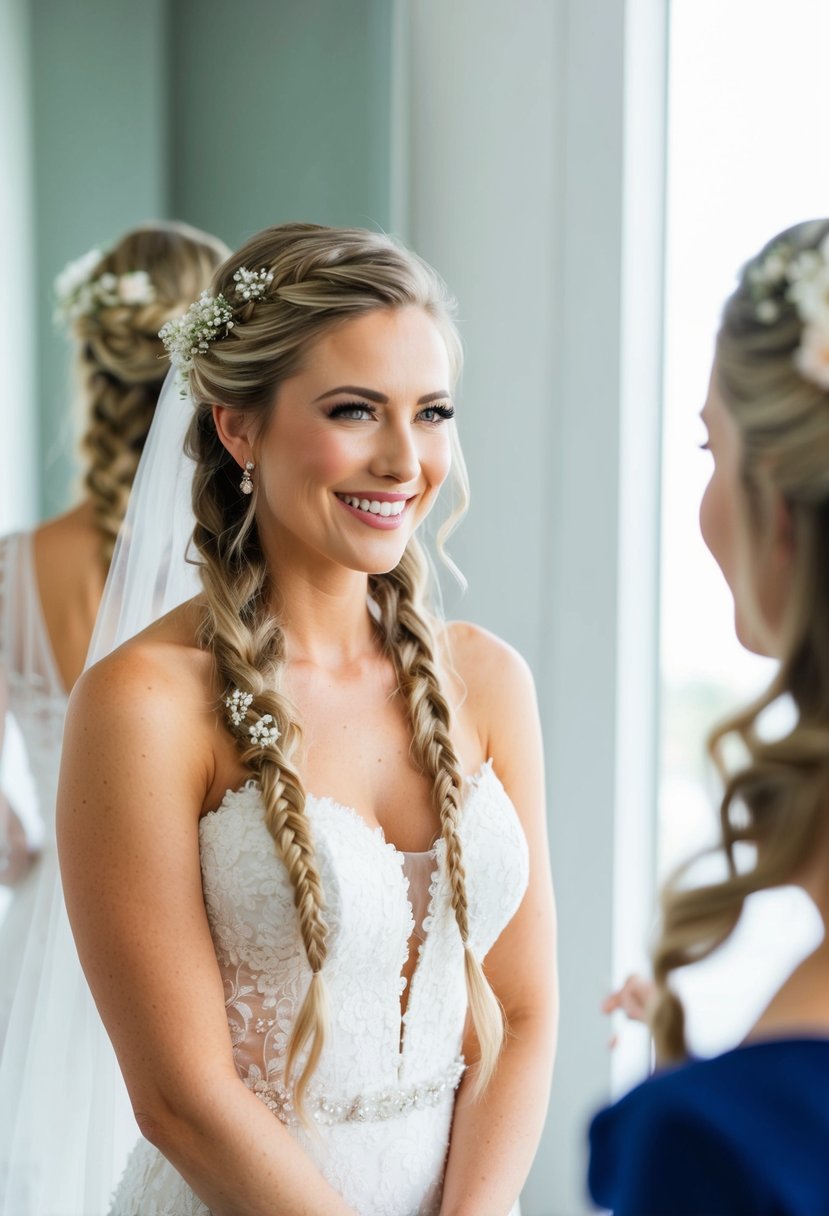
x,y
122,363
777,800
321,277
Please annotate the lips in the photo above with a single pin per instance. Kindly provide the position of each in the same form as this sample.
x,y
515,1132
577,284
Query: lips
x,y
384,506
375,508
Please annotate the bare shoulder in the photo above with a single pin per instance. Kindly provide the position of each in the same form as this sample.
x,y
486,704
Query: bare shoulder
x,y
166,654
157,688
497,691
486,663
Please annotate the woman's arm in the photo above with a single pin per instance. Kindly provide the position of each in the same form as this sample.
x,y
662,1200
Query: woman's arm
x,y
494,1138
15,855
136,766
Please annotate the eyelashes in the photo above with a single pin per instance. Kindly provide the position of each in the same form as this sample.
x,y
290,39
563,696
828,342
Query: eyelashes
x,y
351,409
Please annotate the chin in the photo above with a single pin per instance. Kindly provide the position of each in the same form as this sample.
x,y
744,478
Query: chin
x,y
752,639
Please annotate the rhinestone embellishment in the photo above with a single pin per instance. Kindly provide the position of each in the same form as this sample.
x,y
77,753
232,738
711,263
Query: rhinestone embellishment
x,y
364,1108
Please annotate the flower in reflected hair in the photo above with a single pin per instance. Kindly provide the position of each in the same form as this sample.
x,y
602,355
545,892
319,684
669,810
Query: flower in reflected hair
x,y
800,279
80,293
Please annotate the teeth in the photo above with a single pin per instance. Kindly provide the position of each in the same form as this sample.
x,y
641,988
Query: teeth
x,y
374,507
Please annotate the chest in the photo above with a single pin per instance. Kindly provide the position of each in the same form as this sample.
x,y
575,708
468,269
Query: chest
x,y
357,747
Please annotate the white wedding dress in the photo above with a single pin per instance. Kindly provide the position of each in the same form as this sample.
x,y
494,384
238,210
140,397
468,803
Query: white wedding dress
x,y
383,1095
31,690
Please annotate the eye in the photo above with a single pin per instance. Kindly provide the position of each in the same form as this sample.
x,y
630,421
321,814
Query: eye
x,y
437,413
356,410
705,447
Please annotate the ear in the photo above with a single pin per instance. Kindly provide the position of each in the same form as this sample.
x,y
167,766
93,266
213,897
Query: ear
x,y
235,429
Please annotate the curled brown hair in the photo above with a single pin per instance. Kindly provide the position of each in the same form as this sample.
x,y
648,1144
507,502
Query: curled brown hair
x,y
776,801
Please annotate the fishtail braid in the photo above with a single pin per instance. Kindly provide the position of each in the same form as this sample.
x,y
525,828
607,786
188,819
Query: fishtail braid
x,y
411,645
247,646
120,361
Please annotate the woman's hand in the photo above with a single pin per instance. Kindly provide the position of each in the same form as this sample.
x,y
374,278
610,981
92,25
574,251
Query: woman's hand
x,y
633,998
16,858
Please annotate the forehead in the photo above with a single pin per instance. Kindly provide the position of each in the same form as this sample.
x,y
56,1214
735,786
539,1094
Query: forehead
x,y
398,346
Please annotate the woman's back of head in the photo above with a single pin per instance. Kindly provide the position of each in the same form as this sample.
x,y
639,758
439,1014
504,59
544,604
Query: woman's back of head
x,y
771,376
116,303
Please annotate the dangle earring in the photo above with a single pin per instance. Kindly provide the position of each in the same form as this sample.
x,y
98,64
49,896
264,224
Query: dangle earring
x,y
246,484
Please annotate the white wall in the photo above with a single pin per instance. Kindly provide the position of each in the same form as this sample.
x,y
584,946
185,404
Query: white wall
x,y
518,119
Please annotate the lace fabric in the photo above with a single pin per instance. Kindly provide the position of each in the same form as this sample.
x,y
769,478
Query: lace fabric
x,y
47,1017
394,1166
31,692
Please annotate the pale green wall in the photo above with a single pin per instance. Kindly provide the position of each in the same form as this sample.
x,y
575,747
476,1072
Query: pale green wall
x,y
99,132
281,112
229,116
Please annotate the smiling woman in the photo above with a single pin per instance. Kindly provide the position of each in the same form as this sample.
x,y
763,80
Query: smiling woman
x,y
311,996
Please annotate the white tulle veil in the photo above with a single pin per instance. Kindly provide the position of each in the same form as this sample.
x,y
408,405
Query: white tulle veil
x,y
66,1126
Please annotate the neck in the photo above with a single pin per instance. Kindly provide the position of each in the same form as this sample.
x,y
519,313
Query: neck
x,y
324,613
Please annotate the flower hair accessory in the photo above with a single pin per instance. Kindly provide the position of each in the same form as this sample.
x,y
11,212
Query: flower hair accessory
x,y
263,732
209,318
206,319
81,294
800,278
252,284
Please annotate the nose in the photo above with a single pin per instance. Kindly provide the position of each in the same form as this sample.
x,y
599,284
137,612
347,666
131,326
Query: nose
x,y
396,455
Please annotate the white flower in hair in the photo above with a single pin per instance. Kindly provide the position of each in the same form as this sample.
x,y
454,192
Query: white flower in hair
x,y
264,732
136,288
192,334
76,275
238,704
812,356
800,279
79,294
252,284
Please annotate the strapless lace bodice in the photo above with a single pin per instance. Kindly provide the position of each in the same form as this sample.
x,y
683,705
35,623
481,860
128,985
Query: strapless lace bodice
x,y
383,1092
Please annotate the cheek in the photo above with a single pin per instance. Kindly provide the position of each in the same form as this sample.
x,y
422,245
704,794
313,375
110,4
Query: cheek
x,y
717,525
318,458
436,459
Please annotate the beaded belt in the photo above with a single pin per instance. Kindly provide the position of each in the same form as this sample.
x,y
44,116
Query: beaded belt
x,y
365,1108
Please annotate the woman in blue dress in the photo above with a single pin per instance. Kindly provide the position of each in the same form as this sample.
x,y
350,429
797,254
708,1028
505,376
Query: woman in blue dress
x,y
747,1132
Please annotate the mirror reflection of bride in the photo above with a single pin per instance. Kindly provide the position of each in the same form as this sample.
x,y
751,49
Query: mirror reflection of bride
x,y
51,579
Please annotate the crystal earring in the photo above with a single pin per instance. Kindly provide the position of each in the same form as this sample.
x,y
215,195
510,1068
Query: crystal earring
x,y
246,484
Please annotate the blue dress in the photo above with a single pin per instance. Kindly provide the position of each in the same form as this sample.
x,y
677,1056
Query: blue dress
x,y
743,1134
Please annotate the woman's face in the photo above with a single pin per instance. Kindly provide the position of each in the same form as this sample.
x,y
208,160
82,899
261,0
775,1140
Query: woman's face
x,y
756,564
358,444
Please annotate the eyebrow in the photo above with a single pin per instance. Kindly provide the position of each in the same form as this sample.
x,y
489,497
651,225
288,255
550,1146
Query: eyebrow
x,y
372,395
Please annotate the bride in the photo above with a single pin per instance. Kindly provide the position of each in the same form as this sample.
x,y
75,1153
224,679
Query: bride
x,y
312,810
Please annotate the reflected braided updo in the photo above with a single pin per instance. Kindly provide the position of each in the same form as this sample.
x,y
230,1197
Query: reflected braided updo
x,y
122,362
320,277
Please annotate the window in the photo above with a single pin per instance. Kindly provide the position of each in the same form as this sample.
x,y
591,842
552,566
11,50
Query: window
x,y
748,108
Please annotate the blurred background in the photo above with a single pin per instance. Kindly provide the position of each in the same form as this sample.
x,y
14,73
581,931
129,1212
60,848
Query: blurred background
x,y
588,175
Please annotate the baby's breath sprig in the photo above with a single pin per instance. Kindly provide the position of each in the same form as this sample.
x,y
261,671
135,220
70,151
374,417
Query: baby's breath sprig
x,y
263,732
252,284
786,277
206,319
78,293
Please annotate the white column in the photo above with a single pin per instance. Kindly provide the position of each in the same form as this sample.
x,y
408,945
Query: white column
x,y
18,409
